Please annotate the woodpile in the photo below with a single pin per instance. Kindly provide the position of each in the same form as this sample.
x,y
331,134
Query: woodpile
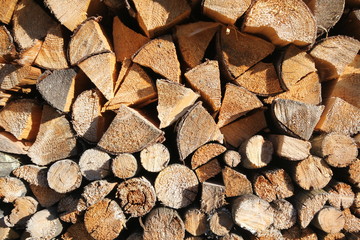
x,y
179,119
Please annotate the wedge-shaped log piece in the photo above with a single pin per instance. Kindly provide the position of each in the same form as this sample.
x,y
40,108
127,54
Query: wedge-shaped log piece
x,y
332,54
208,170
46,196
160,55
12,76
290,148
205,79
44,225
238,51
284,214
7,10
55,139
88,40
173,101
21,118
282,22
156,17
296,118
193,40
256,152
227,11
11,188
10,144
32,174
195,221
24,207
221,222
191,133
236,183
126,40
212,197
129,132
95,192
52,53
7,47
205,153
28,56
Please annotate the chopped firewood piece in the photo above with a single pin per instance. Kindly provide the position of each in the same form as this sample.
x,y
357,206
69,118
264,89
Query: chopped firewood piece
x,y
7,10
71,209
284,214
163,223
12,76
96,42
329,220
8,163
104,220
52,53
212,196
226,12
44,225
231,158
76,231
64,176
252,213
195,222
101,69
290,148
282,22
10,144
221,222
160,55
176,186
129,132
21,118
124,166
236,183
339,116
173,101
46,196
28,56
24,207
298,233
351,25
55,139
239,51
208,170
7,47
157,17
32,174
155,157
352,223
137,196
332,54
260,79
296,118
355,208
193,40
205,153
126,40
308,203
256,152
95,192
94,164
341,195
237,102
11,188
312,173
205,79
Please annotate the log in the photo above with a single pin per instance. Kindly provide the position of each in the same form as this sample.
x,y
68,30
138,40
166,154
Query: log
x,y
124,166
11,188
221,222
231,158
94,192
27,56
256,152
155,157
208,170
94,164
341,195
355,208
7,47
7,10
190,132
11,145
129,124
46,196
76,231
284,214
288,21
237,102
24,207
352,223
55,139
32,174
137,196
104,220
205,153
294,118
44,225
160,56
298,233
329,220
163,223
236,183
14,76
173,101
195,222
8,162
290,148
212,197
176,186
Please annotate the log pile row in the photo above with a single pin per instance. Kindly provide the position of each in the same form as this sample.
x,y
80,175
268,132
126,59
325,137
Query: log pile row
x,y
159,120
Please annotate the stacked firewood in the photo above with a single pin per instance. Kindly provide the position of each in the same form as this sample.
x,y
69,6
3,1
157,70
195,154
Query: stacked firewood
x,y
179,119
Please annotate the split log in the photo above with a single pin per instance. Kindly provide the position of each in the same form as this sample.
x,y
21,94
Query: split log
x,y
11,145
55,139
355,208
44,225
94,192
221,222
205,153
176,186
236,183
64,176
11,188
7,47
341,195
352,223
94,164
46,196
288,21
163,223
173,101
290,148
212,197
298,233
7,10
24,207
238,52
76,231
256,152
160,56
21,118
8,163
155,157
156,18
294,118
13,76
137,196
231,158
32,174
208,170
191,133
284,214
195,222
237,102
351,25
193,40
28,56
329,220
332,54
124,166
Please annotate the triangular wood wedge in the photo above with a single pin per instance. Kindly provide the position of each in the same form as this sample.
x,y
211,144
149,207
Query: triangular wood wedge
x,y
7,9
7,47
13,76
28,56
173,101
